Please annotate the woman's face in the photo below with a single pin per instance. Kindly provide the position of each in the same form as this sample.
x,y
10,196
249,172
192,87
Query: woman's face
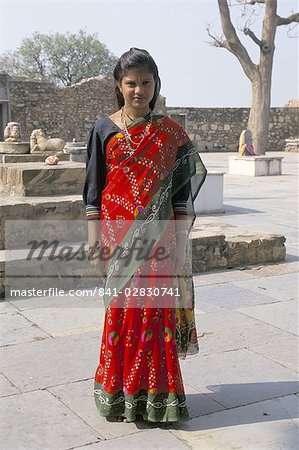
x,y
138,87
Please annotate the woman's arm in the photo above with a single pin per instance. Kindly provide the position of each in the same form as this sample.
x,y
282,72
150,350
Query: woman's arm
x,y
92,194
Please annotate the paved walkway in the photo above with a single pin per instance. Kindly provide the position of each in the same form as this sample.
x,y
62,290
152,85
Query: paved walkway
x,y
241,388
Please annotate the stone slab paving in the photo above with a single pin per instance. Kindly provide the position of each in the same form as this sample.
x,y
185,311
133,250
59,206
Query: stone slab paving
x,y
37,365
6,387
78,397
146,440
237,377
268,425
16,329
283,351
228,296
283,315
280,287
240,388
231,330
37,420
64,321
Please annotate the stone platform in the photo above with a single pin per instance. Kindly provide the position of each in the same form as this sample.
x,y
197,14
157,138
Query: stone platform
x,y
30,157
211,250
210,199
255,166
40,179
39,208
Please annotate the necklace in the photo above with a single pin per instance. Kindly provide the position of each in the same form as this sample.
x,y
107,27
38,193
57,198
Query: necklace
x,y
132,120
128,137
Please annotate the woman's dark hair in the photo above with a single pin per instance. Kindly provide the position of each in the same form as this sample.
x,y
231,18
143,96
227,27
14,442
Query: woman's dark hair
x,y
133,59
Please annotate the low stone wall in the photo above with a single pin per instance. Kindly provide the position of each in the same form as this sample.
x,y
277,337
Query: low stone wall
x,y
219,129
210,252
214,249
69,112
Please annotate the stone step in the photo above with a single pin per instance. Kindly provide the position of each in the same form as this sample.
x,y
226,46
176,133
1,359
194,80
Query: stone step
x,y
209,251
40,179
31,157
39,208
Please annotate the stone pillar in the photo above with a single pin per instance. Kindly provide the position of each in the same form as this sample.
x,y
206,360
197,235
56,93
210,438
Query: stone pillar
x,y
5,113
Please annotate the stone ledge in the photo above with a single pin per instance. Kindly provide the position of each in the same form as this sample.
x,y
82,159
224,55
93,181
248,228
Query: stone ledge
x,y
31,157
39,208
210,252
40,179
221,252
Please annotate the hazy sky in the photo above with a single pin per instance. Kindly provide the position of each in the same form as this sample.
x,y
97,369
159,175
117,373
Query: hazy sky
x,y
193,73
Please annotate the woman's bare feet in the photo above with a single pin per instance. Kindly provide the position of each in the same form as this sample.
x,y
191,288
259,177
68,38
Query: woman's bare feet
x,y
117,419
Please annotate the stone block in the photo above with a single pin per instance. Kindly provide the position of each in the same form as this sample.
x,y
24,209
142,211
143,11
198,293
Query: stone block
x,y
255,166
40,179
14,147
218,251
208,252
76,150
47,209
210,197
255,249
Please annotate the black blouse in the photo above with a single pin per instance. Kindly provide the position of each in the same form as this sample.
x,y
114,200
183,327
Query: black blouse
x,y
96,173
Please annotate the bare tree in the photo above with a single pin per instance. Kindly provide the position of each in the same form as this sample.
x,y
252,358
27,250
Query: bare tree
x,y
260,75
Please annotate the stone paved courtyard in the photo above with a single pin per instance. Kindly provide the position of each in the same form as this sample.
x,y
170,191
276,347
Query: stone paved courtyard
x,y
242,388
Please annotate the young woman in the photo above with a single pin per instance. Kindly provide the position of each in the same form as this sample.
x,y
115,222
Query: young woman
x,y
143,175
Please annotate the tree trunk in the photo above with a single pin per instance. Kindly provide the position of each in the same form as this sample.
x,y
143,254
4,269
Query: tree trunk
x,y
259,116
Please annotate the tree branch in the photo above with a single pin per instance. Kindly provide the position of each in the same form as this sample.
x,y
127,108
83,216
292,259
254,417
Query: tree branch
x,y
263,46
217,41
287,20
233,43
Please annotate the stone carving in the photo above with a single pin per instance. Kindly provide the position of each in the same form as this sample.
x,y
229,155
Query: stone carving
x,y
39,142
245,144
12,132
52,160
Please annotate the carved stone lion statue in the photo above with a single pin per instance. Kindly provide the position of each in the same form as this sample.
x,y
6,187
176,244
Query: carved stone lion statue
x,y
12,132
39,142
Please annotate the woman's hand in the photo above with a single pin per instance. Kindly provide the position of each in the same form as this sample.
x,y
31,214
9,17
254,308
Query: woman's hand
x,y
95,261
180,261
181,228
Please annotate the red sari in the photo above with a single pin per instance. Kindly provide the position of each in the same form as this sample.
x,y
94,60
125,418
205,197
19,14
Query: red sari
x,y
138,371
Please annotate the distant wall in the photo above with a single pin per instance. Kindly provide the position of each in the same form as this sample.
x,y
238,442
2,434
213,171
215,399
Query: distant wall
x,y
218,129
69,112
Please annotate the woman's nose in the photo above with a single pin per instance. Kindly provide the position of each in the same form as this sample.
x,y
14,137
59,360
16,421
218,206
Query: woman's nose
x,y
138,88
